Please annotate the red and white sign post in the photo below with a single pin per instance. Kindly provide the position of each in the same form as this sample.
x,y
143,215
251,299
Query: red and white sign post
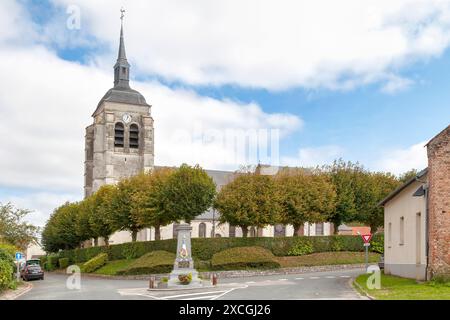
x,y
366,238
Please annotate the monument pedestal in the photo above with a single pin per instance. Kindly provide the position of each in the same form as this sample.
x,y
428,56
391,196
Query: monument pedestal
x,y
184,265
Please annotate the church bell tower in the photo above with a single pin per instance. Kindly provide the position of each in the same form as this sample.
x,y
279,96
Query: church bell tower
x,y
119,143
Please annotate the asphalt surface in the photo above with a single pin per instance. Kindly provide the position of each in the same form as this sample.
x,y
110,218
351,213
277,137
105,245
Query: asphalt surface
x,y
318,285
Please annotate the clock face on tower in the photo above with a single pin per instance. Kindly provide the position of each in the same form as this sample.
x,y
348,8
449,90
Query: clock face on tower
x,y
126,118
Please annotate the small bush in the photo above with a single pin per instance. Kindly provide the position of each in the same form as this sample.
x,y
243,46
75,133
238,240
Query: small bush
x,y
202,265
244,258
6,255
63,263
6,274
151,263
301,247
377,244
43,260
52,262
95,263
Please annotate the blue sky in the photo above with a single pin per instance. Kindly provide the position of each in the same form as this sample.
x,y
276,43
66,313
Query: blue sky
x,y
375,100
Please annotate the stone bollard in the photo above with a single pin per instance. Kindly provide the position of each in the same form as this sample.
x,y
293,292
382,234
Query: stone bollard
x,y
214,279
151,283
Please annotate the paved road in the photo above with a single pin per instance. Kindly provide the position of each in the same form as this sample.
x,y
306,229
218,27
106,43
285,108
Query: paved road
x,y
318,285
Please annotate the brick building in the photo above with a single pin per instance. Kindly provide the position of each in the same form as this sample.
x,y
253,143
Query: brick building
x,y
439,203
417,218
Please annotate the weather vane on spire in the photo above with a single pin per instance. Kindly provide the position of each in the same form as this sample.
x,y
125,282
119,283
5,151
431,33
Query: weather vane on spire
x,y
122,11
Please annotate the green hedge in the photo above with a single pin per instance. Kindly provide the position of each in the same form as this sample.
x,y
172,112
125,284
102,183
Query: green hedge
x,y
151,263
204,248
244,258
63,263
95,263
52,262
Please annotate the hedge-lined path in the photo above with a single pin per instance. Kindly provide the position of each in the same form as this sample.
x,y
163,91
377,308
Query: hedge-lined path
x,y
315,285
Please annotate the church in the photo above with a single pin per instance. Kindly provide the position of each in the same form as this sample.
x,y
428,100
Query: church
x,y
120,143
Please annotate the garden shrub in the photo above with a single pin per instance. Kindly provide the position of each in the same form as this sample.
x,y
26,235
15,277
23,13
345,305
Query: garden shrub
x,y
6,274
52,262
377,243
95,263
202,265
63,263
151,263
244,258
301,247
43,260
6,255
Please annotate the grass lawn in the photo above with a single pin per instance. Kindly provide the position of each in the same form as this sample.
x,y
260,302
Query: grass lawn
x,y
111,267
326,258
396,288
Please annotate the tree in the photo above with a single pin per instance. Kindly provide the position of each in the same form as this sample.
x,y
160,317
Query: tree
x,y
123,215
150,202
408,175
60,231
343,178
13,228
305,196
101,211
371,188
189,192
249,200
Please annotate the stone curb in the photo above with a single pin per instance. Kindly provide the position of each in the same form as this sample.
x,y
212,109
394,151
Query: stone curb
x,y
231,274
14,294
356,284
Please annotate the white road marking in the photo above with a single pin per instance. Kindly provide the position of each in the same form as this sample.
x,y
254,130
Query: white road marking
x,y
283,280
299,278
250,282
330,277
314,278
202,298
345,276
192,294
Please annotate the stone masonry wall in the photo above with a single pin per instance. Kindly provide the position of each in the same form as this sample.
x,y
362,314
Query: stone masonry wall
x,y
439,204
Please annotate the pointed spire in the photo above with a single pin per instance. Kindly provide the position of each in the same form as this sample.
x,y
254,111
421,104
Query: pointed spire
x,y
122,67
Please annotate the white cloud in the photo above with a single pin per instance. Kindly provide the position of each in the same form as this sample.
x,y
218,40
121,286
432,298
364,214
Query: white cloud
x,y
401,160
396,84
315,156
273,44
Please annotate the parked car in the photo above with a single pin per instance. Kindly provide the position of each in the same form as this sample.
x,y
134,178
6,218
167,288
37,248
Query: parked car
x,y
381,262
32,271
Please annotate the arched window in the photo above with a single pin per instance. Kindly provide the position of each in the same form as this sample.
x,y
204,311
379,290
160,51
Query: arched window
x,y
134,136
319,229
202,230
232,232
279,230
119,135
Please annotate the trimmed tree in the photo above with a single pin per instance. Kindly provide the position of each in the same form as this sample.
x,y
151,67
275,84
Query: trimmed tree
x,y
305,196
149,202
188,192
101,211
123,215
343,178
249,200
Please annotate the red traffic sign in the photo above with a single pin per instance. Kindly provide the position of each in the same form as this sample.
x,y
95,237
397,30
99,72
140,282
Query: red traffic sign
x,y
366,237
